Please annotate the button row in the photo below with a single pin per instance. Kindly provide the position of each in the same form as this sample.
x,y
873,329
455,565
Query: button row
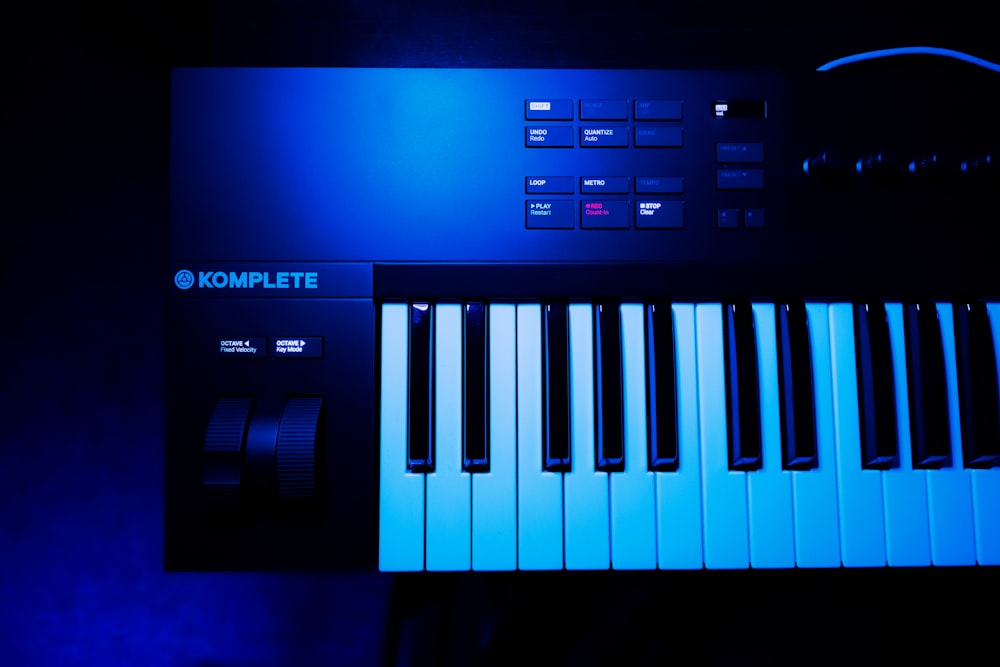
x,y
608,136
611,185
604,214
255,347
562,109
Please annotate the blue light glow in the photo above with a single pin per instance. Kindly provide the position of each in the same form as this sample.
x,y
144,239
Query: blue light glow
x,y
906,51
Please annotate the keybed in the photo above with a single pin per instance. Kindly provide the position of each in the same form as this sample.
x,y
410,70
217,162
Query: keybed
x,y
643,435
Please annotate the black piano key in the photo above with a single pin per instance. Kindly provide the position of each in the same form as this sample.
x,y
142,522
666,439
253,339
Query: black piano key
x,y
795,388
742,388
476,390
420,442
876,388
610,448
977,386
555,449
928,399
661,388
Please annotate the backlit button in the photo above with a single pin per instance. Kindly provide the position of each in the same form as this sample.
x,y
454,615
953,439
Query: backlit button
x,y
739,152
299,348
603,110
548,136
604,215
659,215
740,179
659,185
659,137
549,215
548,185
610,186
545,109
604,137
658,109
242,348
728,218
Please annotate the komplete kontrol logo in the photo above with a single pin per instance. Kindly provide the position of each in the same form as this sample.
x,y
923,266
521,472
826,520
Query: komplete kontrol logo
x,y
185,279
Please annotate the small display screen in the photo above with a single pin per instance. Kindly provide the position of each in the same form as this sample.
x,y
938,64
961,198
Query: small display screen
x,y
739,109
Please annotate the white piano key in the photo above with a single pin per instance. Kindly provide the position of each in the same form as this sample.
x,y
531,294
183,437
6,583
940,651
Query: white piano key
x,y
859,491
494,493
678,494
986,483
724,492
585,490
949,490
633,495
769,489
539,493
449,489
904,490
401,494
814,492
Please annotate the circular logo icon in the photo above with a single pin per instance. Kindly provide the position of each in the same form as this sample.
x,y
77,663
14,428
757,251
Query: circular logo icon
x,y
184,279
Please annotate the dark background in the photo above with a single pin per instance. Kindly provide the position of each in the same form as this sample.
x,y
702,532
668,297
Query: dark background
x,y
84,117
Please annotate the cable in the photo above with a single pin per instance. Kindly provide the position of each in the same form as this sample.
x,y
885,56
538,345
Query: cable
x,y
909,50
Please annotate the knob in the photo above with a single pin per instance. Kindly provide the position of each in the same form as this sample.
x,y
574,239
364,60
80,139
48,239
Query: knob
x,y
980,165
925,165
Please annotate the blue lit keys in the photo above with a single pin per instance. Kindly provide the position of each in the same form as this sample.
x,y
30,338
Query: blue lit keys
x,y
585,489
904,489
401,493
724,492
678,493
449,490
769,489
633,522
814,492
539,492
859,491
986,483
494,493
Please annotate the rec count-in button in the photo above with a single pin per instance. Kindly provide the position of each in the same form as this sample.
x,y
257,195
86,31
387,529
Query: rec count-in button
x,y
242,348
548,109
604,215
548,136
549,214
299,347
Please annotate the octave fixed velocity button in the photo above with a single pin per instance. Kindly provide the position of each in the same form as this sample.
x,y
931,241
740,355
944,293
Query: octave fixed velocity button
x,y
548,136
548,185
609,186
603,110
546,109
310,347
741,151
658,109
659,214
253,347
604,214
549,214
740,179
659,137
604,137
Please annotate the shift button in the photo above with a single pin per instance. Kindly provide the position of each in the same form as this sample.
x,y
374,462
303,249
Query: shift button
x,y
548,109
